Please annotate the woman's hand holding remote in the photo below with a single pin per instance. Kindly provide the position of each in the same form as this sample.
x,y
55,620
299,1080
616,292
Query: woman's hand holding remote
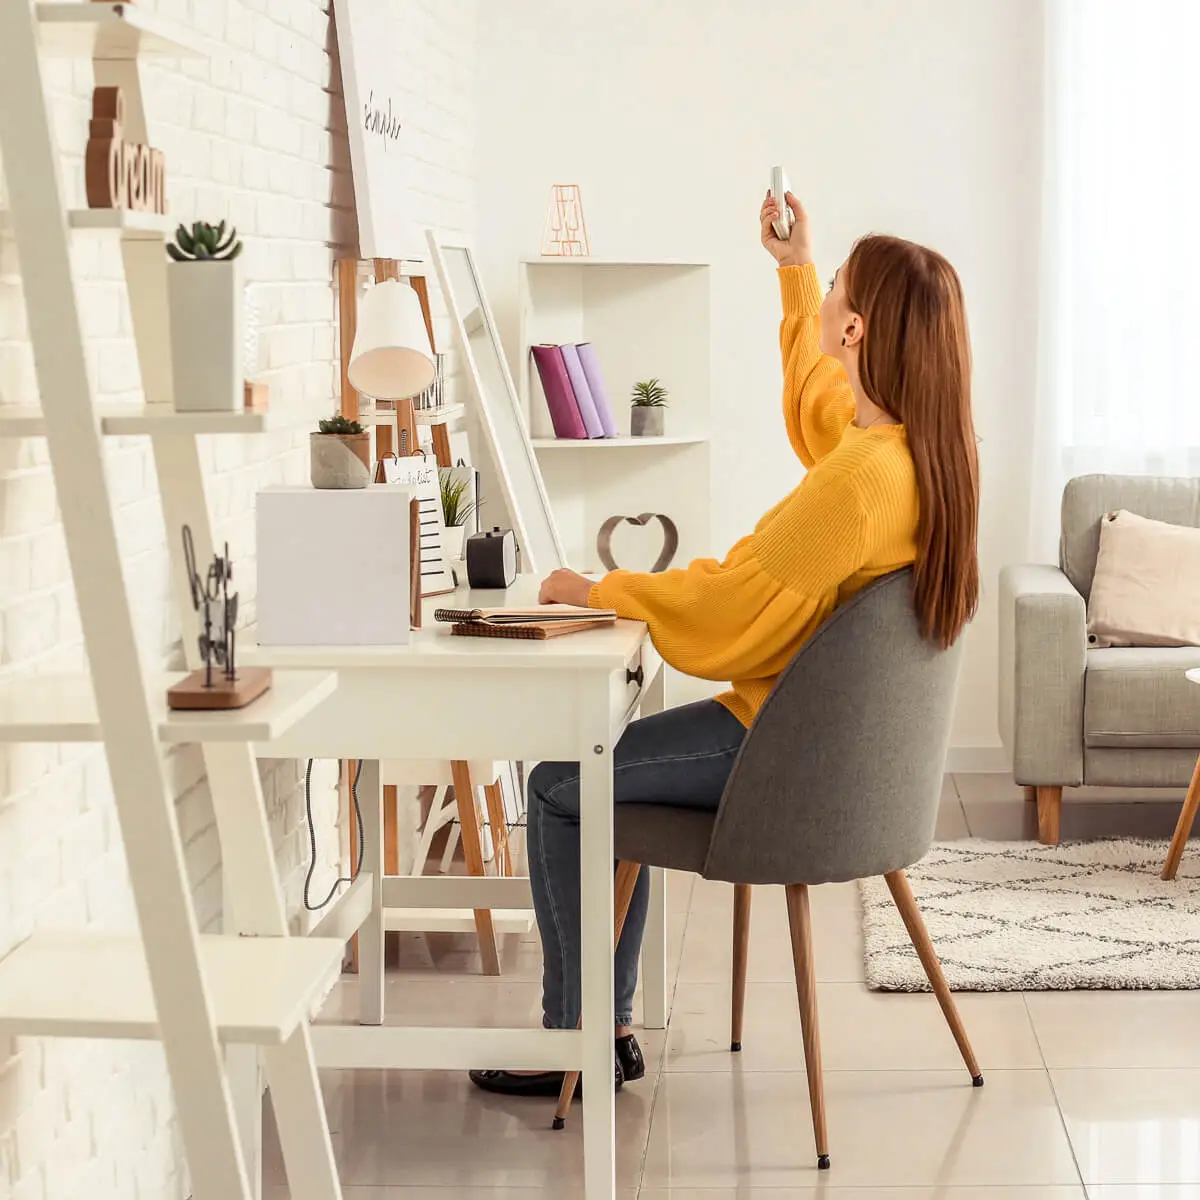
x,y
797,250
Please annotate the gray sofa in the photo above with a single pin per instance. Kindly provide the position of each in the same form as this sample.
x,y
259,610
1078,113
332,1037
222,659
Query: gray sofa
x,y
1071,714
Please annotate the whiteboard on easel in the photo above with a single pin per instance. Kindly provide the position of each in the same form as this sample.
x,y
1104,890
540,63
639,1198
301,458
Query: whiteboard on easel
x,y
384,88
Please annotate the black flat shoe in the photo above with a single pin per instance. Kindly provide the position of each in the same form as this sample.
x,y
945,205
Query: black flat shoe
x,y
629,1056
545,1083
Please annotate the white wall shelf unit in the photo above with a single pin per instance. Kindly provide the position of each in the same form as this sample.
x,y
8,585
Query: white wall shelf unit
x,y
96,985
253,983
646,319
620,443
62,708
136,420
120,31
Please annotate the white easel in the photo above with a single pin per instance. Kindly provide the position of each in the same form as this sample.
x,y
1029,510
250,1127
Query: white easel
x,y
251,988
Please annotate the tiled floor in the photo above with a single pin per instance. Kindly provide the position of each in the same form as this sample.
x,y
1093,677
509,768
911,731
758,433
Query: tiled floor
x,y
1088,1094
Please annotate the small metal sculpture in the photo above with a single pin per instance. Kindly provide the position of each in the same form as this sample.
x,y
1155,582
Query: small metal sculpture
x,y
219,649
220,685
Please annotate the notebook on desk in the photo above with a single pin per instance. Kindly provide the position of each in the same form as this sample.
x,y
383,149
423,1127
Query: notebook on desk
x,y
536,623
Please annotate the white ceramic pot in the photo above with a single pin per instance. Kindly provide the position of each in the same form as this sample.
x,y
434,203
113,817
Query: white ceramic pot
x,y
339,460
207,343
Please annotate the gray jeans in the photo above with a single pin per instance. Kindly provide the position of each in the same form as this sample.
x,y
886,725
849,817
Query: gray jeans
x,y
683,757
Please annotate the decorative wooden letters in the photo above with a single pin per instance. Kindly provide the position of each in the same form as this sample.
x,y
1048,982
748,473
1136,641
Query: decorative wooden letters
x,y
117,173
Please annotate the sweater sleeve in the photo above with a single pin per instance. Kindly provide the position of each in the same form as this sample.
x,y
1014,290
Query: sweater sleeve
x,y
817,401
744,617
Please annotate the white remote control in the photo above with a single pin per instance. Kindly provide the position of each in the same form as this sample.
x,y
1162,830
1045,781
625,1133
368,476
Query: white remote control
x,y
780,187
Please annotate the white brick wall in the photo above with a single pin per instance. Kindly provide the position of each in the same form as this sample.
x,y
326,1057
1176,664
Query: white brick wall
x,y
258,140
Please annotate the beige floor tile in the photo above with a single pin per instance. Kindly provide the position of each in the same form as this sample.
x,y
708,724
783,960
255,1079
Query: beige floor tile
x,y
1143,1191
436,1130
860,1030
837,934
898,1129
870,1193
1117,1029
351,1192
1132,1126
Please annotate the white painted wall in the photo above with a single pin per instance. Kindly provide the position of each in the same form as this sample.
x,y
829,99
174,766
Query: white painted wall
x,y
914,117
249,140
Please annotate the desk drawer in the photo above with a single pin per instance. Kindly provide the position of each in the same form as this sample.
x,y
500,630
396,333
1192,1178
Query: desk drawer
x,y
627,685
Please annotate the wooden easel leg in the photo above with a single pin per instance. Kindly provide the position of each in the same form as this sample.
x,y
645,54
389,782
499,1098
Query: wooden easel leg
x,y
1183,829
347,277
468,820
499,827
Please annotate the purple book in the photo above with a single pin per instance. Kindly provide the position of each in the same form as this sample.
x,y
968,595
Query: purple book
x,y
560,396
591,370
583,394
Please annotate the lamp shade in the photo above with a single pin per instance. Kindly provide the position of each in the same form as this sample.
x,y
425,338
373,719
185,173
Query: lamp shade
x,y
391,358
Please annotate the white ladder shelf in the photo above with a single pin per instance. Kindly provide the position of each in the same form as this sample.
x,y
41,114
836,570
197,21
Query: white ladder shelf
x,y
220,1002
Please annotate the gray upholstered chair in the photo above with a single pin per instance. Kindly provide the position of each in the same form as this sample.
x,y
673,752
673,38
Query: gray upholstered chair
x,y
1070,714
840,778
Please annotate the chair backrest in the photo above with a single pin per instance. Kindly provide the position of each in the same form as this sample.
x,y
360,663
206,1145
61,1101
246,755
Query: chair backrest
x,y
840,776
1088,497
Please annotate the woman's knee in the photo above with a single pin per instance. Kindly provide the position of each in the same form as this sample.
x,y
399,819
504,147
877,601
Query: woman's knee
x,y
555,784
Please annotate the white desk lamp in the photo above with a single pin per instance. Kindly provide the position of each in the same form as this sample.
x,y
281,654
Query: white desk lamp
x,y
391,358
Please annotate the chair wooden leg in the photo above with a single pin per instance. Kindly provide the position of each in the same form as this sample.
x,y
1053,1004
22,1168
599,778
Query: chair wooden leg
x,y
1183,829
623,885
741,948
1049,812
910,913
800,924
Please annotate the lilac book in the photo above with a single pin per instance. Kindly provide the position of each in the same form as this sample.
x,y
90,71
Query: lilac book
x,y
560,396
591,370
583,394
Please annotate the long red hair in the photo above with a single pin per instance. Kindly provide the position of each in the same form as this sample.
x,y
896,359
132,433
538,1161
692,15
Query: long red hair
x,y
915,363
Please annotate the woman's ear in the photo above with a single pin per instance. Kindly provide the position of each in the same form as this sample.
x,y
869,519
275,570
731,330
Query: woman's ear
x,y
853,331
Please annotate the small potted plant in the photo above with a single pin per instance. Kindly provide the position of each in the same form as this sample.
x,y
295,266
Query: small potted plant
x,y
458,507
340,455
204,296
646,417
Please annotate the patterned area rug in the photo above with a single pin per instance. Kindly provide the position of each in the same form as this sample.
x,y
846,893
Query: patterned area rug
x,y
1018,916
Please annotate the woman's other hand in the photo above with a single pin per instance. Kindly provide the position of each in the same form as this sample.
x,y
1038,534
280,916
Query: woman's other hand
x,y
797,250
565,587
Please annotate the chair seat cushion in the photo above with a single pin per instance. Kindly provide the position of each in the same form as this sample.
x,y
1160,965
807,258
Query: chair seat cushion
x,y
1140,697
664,835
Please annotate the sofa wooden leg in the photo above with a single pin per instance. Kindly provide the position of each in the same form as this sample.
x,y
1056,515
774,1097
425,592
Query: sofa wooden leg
x,y
1049,812
1030,795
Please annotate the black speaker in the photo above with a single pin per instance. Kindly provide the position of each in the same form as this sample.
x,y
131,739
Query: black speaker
x,y
492,559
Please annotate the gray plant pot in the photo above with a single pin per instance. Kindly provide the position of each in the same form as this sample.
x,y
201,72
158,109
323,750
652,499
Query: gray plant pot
x,y
338,461
646,422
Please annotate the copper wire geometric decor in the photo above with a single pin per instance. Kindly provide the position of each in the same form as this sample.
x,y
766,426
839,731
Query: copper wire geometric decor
x,y
565,235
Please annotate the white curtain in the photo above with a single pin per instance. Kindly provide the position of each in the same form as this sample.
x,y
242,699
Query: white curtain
x,y
1119,347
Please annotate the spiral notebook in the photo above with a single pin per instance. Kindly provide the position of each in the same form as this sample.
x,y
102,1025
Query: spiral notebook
x,y
537,623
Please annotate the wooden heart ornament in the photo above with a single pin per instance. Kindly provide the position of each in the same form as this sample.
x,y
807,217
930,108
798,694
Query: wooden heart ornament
x,y
669,547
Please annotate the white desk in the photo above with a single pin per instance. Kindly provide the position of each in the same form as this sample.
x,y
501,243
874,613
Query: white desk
x,y
564,699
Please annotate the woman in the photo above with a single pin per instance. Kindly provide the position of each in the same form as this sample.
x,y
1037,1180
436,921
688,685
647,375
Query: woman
x,y
877,405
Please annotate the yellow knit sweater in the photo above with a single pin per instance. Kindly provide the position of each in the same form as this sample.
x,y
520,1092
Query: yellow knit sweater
x,y
852,518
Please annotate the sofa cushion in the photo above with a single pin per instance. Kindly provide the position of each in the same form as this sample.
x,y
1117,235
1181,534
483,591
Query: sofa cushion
x,y
1087,498
1140,697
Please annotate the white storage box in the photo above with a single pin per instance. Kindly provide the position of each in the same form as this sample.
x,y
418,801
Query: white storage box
x,y
333,566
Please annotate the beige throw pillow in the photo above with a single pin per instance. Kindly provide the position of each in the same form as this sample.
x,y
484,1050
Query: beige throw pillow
x,y
1146,591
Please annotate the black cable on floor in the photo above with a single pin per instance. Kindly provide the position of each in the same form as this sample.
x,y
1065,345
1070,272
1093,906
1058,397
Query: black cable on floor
x,y
312,838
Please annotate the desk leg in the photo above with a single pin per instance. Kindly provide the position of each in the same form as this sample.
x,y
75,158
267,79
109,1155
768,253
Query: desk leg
x,y
370,935
655,982
596,908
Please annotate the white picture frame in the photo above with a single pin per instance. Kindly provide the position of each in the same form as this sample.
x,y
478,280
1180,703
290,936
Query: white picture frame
x,y
501,418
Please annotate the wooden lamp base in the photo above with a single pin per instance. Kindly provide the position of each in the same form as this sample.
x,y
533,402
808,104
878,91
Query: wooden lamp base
x,y
190,694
